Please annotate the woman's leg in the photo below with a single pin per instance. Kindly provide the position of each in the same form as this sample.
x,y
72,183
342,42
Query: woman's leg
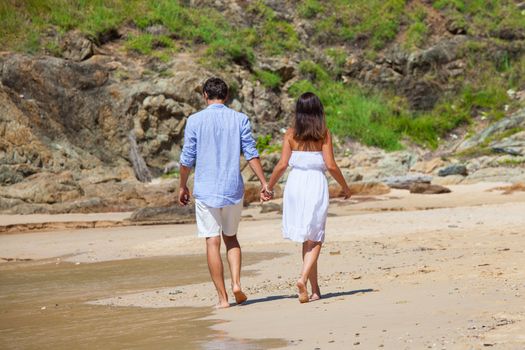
x,y
312,277
311,252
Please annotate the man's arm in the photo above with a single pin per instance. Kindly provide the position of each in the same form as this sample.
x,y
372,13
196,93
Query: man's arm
x,y
187,161
255,165
184,192
252,155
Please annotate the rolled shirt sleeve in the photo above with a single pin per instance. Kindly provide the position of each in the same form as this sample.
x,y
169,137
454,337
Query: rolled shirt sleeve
x,y
189,150
248,145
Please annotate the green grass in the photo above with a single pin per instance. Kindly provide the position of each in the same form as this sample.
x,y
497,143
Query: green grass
x,y
512,162
371,118
377,119
418,29
25,21
268,79
173,174
416,34
484,17
337,59
313,71
146,43
377,21
351,113
279,37
274,36
264,144
310,8
516,73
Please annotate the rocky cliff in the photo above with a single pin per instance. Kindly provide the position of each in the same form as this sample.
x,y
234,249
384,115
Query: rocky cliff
x,y
74,124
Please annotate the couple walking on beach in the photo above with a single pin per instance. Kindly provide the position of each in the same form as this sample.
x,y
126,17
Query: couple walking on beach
x,y
213,141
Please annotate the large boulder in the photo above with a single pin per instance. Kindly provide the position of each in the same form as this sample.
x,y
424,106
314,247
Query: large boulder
x,y
76,46
412,73
44,188
453,169
496,174
516,120
513,145
406,181
158,128
427,166
443,52
427,188
164,214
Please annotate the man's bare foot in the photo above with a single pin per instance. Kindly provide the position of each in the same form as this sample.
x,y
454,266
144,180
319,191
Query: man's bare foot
x,y
315,296
222,305
303,292
240,297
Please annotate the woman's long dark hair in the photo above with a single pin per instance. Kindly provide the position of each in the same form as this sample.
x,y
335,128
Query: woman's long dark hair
x,y
309,123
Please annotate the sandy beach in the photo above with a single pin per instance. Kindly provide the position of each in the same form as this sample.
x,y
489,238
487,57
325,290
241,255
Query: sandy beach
x,y
398,271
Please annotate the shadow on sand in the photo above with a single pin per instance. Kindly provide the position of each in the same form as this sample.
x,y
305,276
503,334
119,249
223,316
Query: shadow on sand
x,y
293,296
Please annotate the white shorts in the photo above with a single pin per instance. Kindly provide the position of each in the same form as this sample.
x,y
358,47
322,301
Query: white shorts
x,y
212,221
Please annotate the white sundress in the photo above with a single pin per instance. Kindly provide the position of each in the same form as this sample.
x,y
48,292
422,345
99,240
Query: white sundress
x,y
305,203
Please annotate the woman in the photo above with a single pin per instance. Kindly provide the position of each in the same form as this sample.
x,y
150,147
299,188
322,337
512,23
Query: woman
x,y
307,148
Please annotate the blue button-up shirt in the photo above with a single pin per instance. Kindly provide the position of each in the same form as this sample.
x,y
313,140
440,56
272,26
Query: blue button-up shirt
x,y
213,141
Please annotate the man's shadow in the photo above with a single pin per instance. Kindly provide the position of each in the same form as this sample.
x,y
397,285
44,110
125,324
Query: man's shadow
x,y
294,296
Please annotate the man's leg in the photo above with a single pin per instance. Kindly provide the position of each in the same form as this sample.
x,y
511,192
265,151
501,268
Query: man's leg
x,y
235,261
213,252
208,225
231,216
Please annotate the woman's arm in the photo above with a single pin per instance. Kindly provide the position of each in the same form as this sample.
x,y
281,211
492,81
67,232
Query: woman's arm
x,y
281,166
331,165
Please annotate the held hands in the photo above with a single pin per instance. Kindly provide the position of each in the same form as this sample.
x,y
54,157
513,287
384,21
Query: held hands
x,y
266,194
184,196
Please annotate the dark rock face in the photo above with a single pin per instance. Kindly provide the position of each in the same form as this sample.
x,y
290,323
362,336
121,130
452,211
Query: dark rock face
x,y
409,73
59,100
509,34
422,95
76,46
82,115
64,127
80,106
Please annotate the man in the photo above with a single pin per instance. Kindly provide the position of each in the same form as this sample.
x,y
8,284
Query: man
x,y
213,141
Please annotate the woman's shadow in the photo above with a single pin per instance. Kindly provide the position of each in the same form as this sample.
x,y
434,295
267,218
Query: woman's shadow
x,y
293,296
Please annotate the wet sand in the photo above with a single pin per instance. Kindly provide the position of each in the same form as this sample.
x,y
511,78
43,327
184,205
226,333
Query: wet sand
x,y
397,271
44,305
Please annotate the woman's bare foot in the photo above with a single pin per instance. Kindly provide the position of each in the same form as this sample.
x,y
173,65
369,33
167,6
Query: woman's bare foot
x,y
222,305
316,293
303,292
239,295
315,296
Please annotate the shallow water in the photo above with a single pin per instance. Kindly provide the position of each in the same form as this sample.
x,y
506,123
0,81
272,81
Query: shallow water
x,y
42,306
